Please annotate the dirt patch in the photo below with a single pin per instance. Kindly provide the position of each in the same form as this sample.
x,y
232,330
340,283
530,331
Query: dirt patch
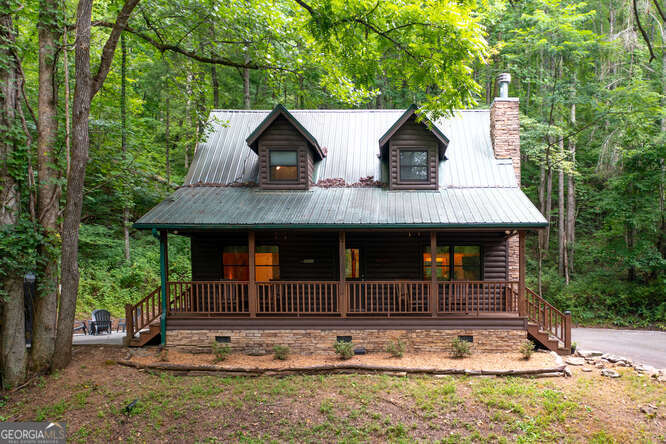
x,y
495,361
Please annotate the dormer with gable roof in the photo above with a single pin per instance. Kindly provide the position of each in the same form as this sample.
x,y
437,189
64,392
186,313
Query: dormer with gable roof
x,y
286,150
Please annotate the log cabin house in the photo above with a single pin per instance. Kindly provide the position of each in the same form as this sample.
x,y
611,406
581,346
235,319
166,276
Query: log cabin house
x,y
311,226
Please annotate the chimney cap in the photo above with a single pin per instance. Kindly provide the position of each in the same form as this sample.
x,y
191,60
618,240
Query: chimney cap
x,y
504,79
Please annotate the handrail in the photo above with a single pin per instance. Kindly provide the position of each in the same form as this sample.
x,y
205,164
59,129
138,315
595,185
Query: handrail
x,y
548,318
149,308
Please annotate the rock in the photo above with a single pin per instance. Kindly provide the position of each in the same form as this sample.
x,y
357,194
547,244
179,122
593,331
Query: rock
x,y
360,350
599,365
610,373
661,378
649,409
586,369
575,361
647,369
567,372
588,353
614,358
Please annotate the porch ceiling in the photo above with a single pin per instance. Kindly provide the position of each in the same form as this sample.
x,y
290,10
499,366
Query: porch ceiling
x,y
340,208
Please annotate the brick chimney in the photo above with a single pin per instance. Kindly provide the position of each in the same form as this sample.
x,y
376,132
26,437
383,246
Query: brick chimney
x,y
505,125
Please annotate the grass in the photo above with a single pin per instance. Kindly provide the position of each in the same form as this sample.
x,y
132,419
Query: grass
x,y
350,408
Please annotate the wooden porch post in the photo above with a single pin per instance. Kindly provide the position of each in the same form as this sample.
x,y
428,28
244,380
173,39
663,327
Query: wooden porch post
x,y
521,273
342,290
252,285
434,287
164,278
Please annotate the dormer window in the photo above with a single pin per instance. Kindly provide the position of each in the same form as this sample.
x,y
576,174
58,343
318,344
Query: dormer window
x,y
283,165
413,164
412,149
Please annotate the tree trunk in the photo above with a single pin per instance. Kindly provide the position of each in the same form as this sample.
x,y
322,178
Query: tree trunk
x,y
561,232
571,196
85,89
246,85
167,141
216,86
13,357
48,196
123,117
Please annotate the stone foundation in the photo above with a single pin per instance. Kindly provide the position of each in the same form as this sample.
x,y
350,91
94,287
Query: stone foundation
x,y
322,341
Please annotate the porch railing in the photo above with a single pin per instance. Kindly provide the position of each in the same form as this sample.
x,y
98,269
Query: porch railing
x,y
208,297
388,297
478,297
297,297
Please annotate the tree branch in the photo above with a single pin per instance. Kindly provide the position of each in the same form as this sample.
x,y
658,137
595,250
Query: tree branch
x,y
661,12
643,33
110,46
216,60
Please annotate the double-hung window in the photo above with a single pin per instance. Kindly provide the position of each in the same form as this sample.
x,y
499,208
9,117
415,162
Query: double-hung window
x,y
283,165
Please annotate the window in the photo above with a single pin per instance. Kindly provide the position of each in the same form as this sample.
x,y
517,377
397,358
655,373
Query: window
x,y
235,263
413,165
443,264
460,263
352,263
283,165
467,263
267,263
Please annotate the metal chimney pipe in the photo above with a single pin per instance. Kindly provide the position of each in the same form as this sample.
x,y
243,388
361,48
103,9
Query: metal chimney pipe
x,y
504,79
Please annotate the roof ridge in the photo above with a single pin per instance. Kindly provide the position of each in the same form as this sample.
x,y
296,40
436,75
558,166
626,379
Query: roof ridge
x,y
393,110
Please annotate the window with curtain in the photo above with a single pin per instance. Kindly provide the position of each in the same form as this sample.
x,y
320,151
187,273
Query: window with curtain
x,y
413,165
458,263
267,263
235,263
283,165
352,263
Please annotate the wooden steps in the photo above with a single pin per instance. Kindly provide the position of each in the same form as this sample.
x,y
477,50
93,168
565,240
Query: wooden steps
x,y
546,340
145,335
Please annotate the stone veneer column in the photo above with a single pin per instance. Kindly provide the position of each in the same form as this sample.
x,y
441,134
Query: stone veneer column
x,y
505,137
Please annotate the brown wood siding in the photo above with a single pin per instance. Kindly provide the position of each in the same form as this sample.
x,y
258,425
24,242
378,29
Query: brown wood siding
x,y
413,135
281,134
385,256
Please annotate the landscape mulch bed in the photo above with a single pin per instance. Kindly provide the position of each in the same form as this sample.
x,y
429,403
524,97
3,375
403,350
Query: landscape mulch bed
x,y
423,363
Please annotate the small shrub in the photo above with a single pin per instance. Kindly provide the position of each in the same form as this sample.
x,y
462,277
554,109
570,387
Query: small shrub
x,y
344,349
574,346
526,349
461,348
221,351
396,349
281,352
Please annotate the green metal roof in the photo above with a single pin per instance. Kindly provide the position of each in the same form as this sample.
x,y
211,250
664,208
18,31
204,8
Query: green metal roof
x,y
241,207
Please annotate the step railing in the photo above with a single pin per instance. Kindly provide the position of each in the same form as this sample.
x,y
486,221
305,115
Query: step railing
x,y
548,318
141,314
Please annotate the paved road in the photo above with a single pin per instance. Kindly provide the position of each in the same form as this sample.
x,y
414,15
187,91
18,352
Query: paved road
x,y
112,339
646,347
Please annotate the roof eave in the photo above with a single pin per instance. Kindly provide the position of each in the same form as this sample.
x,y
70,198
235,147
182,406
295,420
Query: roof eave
x,y
499,225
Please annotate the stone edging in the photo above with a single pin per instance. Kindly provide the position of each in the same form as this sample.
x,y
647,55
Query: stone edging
x,y
199,370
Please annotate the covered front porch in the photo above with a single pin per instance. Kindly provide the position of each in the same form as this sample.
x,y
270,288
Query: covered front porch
x,y
364,279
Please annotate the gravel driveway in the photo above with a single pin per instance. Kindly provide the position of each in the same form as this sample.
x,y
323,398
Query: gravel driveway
x,y
642,346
